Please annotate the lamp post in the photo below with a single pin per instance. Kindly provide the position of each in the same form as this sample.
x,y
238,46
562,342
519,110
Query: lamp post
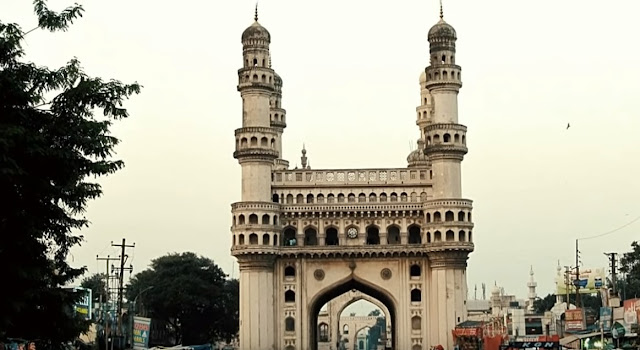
x,y
133,310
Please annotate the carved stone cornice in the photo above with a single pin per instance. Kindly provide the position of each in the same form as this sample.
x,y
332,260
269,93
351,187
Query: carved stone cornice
x,y
448,259
255,154
255,261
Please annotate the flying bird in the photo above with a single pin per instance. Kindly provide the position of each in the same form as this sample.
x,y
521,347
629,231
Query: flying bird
x,y
568,125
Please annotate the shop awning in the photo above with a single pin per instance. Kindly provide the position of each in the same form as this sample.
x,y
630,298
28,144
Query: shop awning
x,y
573,337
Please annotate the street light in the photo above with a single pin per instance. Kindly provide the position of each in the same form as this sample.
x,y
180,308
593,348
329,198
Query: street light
x,y
133,310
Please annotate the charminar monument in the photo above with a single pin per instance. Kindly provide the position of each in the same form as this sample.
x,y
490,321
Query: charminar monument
x,y
303,237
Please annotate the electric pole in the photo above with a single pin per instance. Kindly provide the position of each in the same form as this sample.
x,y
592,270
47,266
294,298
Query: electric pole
x,y
612,263
105,313
123,259
577,280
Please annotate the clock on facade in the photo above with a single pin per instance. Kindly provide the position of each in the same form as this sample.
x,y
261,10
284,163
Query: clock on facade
x,y
352,232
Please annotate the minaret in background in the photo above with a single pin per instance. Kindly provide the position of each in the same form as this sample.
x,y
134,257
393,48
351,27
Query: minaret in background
x,y
532,291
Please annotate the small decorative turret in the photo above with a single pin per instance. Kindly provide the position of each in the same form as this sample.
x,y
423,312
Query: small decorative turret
x,y
303,159
532,291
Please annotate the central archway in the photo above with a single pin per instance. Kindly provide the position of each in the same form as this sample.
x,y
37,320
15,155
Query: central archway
x,y
339,289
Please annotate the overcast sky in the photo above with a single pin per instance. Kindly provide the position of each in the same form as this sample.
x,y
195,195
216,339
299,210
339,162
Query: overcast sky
x,y
350,72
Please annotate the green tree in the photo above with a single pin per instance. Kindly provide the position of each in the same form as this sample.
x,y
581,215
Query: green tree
x,y
191,294
629,286
544,304
50,143
374,312
98,285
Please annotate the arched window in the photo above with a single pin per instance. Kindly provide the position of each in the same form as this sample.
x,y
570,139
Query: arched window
x,y
331,236
263,62
323,332
266,239
289,199
320,198
414,235
448,216
444,59
243,142
345,329
446,138
264,78
241,239
414,270
372,197
289,271
253,219
461,236
255,62
444,75
394,197
309,198
240,219
416,295
310,237
437,217
253,238
265,219
450,236
470,240
275,220
423,195
403,197
428,217
383,197
393,235
351,198
464,140
456,138
299,199
289,296
340,198
469,217
289,324
416,323
362,198
254,141
331,198
428,237
289,238
437,236
275,198
264,142
255,77
461,216
273,143
234,239
436,138
275,239
373,235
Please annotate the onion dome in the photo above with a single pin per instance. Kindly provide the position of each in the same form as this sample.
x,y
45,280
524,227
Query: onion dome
x,y
423,78
418,158
442,30
256,31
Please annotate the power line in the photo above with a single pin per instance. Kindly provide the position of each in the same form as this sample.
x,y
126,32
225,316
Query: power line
x,y
612,231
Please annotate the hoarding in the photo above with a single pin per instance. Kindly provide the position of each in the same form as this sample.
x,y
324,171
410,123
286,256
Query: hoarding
x,y
141,331
630,317
83,306
574,320
590,281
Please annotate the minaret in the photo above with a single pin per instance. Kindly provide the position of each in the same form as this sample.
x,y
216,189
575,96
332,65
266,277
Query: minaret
x,y
255,219
278,120
303,158
448,216
532,291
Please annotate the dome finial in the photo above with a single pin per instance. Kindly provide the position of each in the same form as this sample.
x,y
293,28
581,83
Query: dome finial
x,y
256,16
441,12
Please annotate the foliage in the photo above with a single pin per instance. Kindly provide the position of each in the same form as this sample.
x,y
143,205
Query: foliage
x,y
98,285
48,148
375,312
191,294
591,302
375,332
544,304
630,266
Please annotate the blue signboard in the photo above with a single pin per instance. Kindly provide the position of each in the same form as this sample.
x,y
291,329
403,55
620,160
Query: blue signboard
x,y
141,331
83,306
606,318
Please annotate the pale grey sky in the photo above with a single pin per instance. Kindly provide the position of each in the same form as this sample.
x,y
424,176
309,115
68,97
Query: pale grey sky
x,y
350,71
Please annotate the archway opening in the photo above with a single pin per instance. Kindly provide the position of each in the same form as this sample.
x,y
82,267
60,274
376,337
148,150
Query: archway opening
x,y
325,304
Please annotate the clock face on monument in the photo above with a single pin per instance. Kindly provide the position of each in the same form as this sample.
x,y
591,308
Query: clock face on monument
x,y
352,232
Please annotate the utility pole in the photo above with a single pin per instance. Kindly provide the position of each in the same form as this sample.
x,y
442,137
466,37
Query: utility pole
x,y
577,280
612,263
105,313
123,259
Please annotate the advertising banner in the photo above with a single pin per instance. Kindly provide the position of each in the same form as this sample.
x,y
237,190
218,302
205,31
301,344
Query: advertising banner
x,y
606,318
141,331
83,306
590,281
630,317
574,320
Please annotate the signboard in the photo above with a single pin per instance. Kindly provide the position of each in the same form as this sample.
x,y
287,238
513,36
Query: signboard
x,y
590,281
83,306
606,317
617,330
467,332
630,317
533,326
528,345
141,331
574,320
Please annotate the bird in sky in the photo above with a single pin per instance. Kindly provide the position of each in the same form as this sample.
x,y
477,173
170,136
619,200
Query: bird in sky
x,y
568,125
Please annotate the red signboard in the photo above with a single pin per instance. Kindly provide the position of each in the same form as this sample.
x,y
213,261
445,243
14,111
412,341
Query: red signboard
x,y
574,320
467,332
